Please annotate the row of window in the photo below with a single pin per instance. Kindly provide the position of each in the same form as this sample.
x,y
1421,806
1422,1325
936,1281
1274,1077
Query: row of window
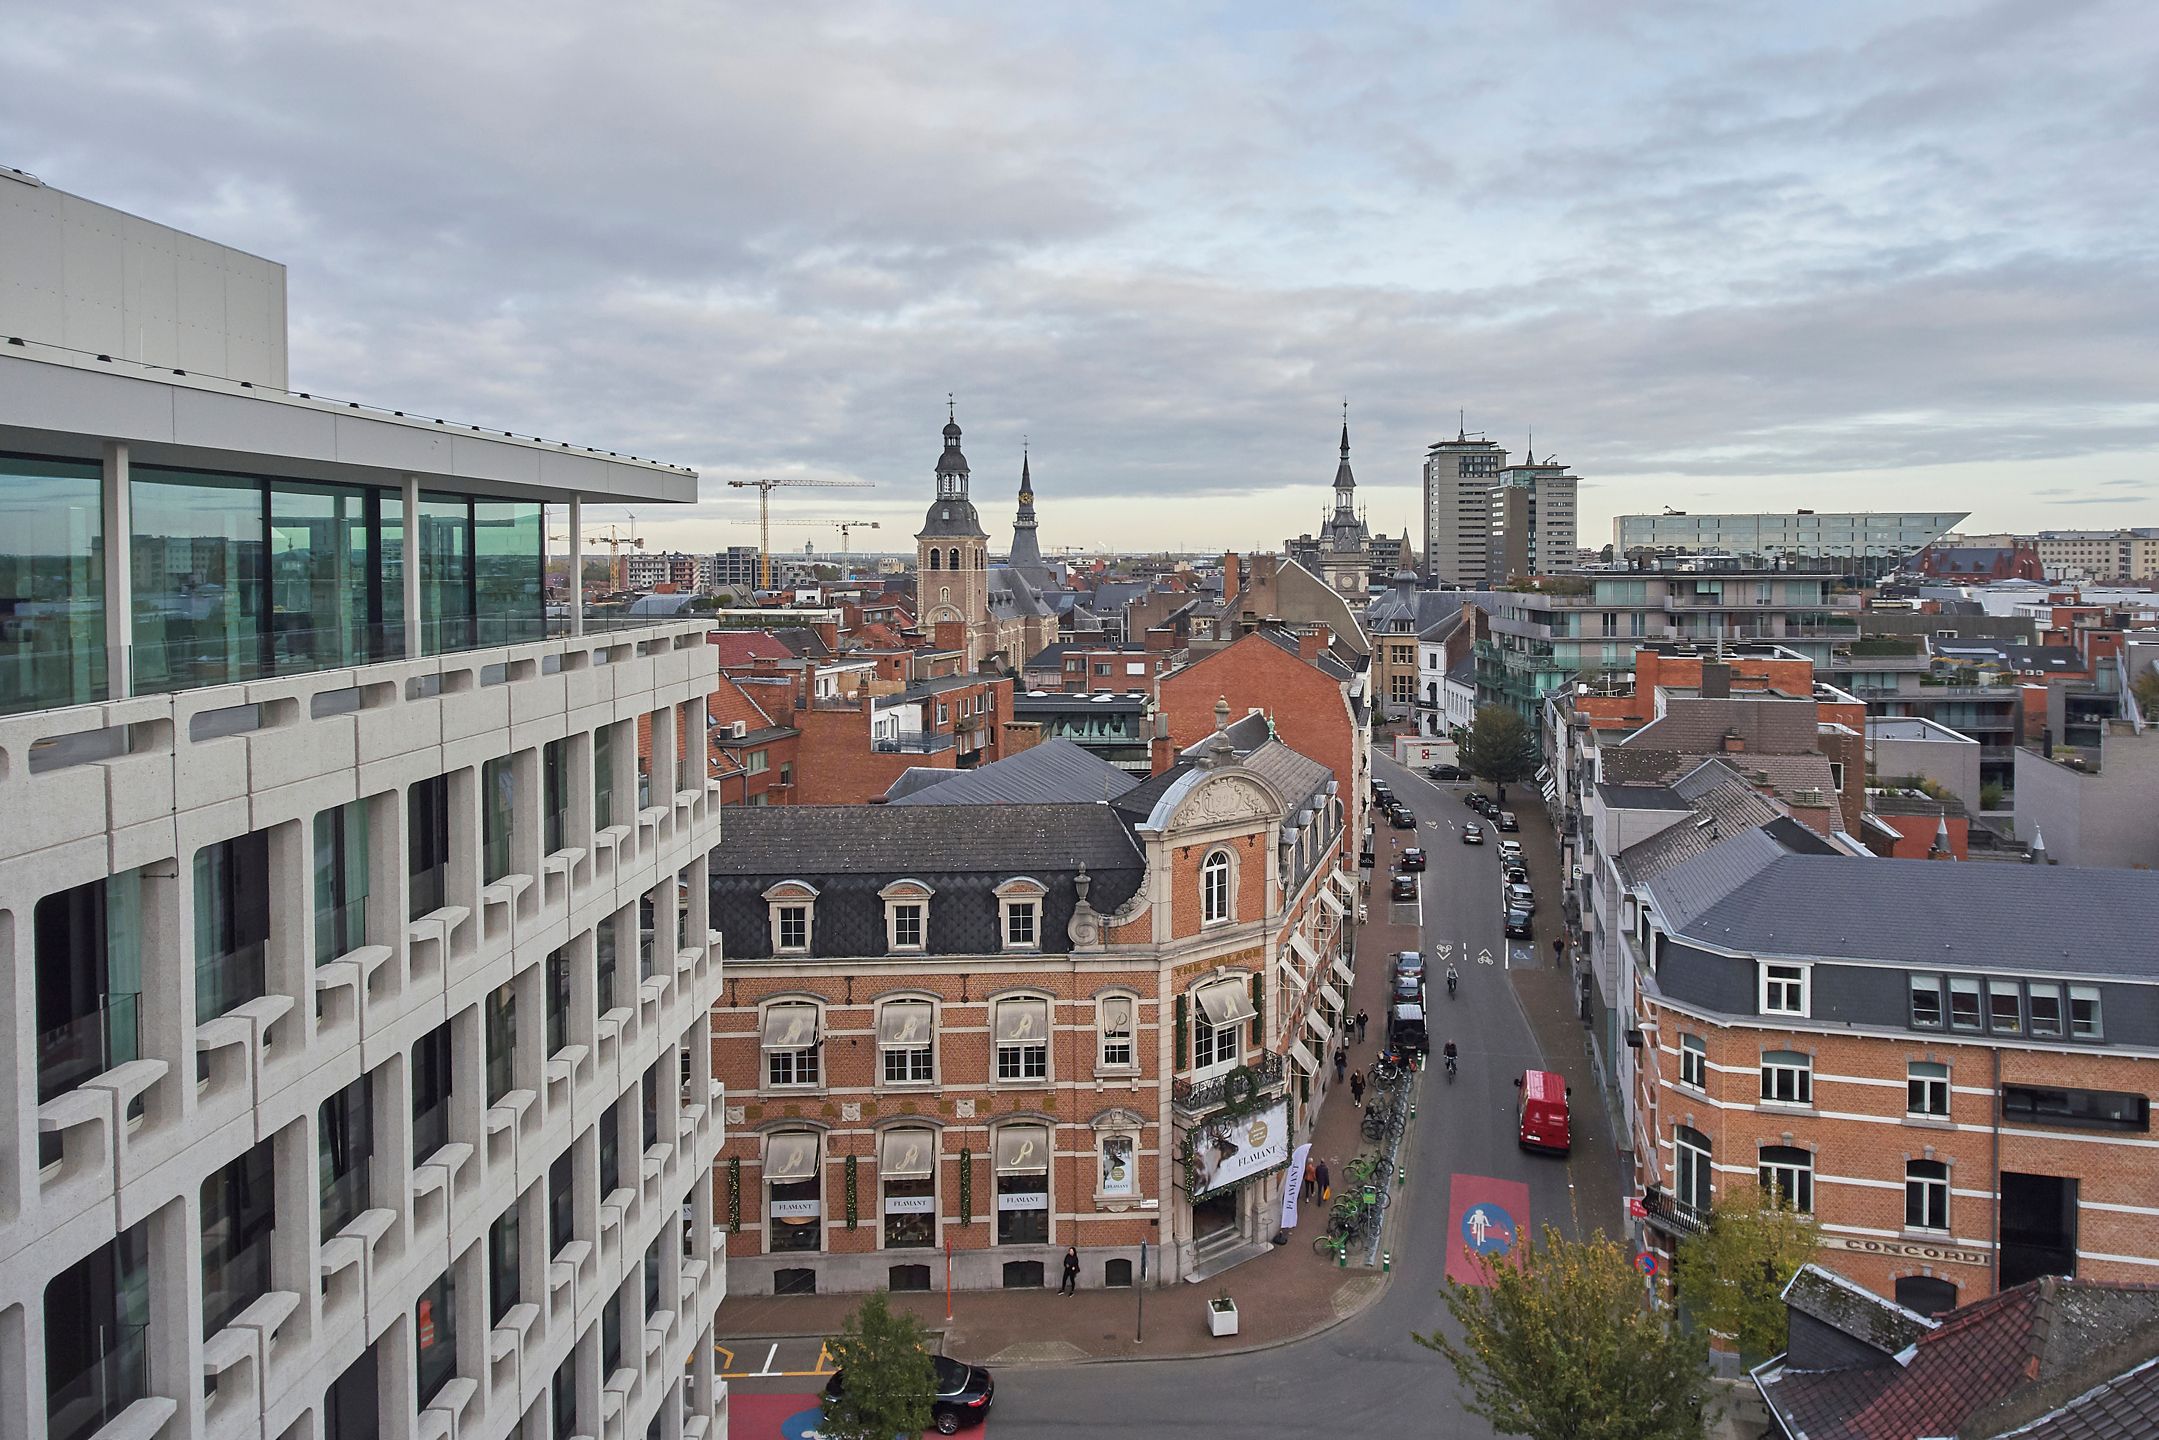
x,y
2040,1009
908,1163
1787,1078
1787,1172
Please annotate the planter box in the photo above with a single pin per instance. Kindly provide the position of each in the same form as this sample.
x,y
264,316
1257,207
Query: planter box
x,y
1221,1318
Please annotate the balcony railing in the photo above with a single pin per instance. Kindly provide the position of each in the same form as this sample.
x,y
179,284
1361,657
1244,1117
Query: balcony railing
x,y
1196,1098
914,742
223,982
85,1404
1672,1215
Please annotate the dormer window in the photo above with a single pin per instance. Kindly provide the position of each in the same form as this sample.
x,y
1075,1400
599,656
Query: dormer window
x,y
790,906
1019,913
907,916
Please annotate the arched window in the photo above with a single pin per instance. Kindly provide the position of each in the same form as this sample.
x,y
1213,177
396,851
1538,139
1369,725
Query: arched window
x,y
1691,1183
1788,1173
936,556
954,562
1214,888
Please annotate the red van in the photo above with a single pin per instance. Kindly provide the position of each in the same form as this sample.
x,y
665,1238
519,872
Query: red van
x,y
1541,1112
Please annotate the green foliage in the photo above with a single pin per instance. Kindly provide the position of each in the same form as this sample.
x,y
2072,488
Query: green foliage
x,y
1569,1346
1500,747
1732,1277
2146,689
889,1377
1991,795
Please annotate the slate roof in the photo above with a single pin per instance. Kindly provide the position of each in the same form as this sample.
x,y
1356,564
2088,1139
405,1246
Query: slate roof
x,y
1969,1373
1642,797
1718,810
1693,725
2070,920
963,852
1053,772
1828,1297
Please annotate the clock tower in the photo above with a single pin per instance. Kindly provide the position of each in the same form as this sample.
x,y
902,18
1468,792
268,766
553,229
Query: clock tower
x,y
952,555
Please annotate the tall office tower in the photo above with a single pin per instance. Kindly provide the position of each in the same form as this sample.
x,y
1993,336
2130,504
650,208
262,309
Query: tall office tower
x,y
1458,478
1533,520
353,913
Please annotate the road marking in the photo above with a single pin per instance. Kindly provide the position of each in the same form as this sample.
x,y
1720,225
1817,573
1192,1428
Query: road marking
x,y
728,1362
1484,957
769,1357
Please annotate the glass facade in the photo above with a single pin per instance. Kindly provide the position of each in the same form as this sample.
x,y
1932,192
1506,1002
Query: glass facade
x,y
325,576
509,551
199,578
445,552
232,923
340,881
52,583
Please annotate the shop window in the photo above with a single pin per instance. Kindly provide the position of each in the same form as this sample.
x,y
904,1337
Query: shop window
x,y
1022,1154
907,1169
794,1203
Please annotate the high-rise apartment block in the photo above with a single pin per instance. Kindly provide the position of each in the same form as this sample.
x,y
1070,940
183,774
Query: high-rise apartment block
x,y
1534,533
353,911
1459,476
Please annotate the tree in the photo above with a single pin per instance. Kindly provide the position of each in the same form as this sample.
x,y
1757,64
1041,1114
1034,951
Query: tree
x,y
1732,1276
2146,689
889,1376
1500,747
1569,1346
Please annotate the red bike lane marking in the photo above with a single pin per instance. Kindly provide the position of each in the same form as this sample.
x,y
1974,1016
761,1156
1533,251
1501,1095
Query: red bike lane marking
x,y
766,1417
1484,1216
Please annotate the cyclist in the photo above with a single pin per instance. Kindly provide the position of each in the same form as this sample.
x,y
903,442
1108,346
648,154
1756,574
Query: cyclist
x,y
1453,976
1448,1052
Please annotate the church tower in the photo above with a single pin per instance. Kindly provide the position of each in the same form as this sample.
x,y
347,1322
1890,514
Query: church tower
x,y
1345,556
1026,543
952,557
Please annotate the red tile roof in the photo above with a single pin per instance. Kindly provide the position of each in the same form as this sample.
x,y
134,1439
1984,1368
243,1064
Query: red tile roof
x,y
746,647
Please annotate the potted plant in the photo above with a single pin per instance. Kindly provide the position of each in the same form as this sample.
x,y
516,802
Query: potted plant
x,y
1221,1315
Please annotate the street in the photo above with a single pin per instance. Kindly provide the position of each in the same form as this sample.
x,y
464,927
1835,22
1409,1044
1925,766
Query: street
x,y
1367,1374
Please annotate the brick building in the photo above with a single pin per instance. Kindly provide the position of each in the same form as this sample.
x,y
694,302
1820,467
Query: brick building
x,y
1950,1065
751,754
1011,1027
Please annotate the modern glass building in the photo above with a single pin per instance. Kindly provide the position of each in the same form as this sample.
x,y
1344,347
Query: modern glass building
x,y
334,1112
1861,543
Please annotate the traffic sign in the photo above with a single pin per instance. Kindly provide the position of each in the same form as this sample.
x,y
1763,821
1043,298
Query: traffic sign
x,y
1646,1262
1636,1207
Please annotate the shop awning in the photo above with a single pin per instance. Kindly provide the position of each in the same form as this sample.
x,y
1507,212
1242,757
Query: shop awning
x,y
1345,884
1022,1020
1117,1015
1305,952
790,1027
904,1024
907,1154
789,1158
1224,1002
1326,898
1332,996
1317,1026
1304,1058
1342,972
1023,1150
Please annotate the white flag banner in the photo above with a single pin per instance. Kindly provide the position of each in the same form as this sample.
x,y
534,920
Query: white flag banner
x,y
1295,1187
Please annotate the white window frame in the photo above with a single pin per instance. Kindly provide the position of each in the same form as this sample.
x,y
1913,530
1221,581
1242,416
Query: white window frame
x,y
1788,1079
1694,1062
1682,1148
1218,887
1975,988
2053,1028
780,900
922,1057
1931,1189
1917,985
901,895
2095,1029
1028,1060
1103,1060
1021,896
770,1057
1782,985
1766,1169
1921,1084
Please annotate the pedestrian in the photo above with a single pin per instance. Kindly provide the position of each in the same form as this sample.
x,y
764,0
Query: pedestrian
x,y
1341,1063
1362,1021
1326,1187
1356,1087
1071,1284
1311,1178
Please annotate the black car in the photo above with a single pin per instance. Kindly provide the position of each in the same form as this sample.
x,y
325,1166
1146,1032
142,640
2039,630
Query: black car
x,y
1411,860
1382,796
962,1398
1404,818
1447,772
1405,887
1507,820
1517,923
1482,803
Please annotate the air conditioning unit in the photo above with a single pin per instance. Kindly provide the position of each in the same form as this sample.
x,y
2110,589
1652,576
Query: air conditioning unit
x,y
741,728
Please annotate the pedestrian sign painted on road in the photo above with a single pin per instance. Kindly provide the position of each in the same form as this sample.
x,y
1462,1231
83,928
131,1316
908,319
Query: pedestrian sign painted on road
x,y
1488,1230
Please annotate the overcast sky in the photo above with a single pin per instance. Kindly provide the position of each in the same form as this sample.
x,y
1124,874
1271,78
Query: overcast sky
x,y
1719,255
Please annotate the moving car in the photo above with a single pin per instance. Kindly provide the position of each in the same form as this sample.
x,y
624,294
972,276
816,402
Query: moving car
x,y
1522,896
1404,818
1541,1119
1517,923
1507,820
1448,772
962,1398
1405,887
1472,833
1412,859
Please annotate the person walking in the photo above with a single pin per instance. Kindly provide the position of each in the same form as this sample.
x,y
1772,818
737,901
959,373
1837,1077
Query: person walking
x,y
1326,1187
1341,1063
1356,1087
1071,1281
1362,1021
1311,1178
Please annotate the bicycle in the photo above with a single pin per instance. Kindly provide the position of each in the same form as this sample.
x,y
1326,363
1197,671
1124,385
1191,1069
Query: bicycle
x,y
1364,1169
1332,1245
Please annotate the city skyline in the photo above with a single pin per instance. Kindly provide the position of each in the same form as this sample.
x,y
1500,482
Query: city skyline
x,y
1758,261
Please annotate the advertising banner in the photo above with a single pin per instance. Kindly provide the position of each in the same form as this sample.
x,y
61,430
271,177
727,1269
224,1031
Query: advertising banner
x,y
1237,1148
1295,1187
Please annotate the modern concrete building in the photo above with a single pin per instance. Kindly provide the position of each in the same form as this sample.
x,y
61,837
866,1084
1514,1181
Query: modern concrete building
x,y
1459,476
2093,804
2106,556
353,919
1912,747
1848,542
1533,520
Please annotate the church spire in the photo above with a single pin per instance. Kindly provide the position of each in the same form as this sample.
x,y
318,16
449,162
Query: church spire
x,y
1345,484
1026,546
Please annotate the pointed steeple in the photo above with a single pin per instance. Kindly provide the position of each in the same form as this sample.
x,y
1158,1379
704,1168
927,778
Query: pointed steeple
x,y
1345,483
1026,545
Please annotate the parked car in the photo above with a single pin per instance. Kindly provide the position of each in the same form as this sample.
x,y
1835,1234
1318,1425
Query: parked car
x,y
1522,896
1404,818
1507,820
1405,887
1381,795
1510,852
1472,833
1408,962
1474,799
1517,923
1412,859
1484,804
962,1398
1405,1027
1448,772
1513,875
1410,988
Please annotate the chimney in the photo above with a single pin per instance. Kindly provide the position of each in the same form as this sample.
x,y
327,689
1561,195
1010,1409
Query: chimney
x,y
829,632
1309,646
1230,578
1734,742
1160,753
1716,680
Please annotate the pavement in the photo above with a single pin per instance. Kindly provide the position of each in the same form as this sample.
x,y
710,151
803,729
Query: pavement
x,y
1317,1344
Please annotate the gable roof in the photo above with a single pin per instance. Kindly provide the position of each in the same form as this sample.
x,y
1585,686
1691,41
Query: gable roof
x,y
1053,772
745,647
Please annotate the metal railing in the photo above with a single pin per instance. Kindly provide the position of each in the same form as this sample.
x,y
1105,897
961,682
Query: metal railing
x,y
84,1404
1193,1097
1669,1213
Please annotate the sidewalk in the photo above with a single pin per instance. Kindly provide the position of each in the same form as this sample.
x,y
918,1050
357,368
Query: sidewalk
x,y
1286,1294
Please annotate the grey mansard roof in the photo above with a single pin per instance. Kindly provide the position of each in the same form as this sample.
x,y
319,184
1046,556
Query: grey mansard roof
x,y
1053,772
1752,895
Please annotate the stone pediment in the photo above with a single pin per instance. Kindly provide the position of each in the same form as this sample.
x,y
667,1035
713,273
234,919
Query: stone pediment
x,y
1226,800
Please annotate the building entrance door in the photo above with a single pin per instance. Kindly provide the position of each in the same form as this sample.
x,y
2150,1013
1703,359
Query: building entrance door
x,y
2039,1227
1214,1215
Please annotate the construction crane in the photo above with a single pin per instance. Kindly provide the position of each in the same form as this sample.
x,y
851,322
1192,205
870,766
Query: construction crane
x,y
764,489
845,526
617,580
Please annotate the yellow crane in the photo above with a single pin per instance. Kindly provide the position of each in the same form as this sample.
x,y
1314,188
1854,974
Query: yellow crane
x,y
764,489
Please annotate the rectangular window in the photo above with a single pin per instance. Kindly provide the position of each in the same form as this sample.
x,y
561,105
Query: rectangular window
x,y
794,927
1117,1051
509,561
1022,1039
1963,1004
557,980
1694,1061
2005,1007
2076,1109
2084,1012
89,982
790,1042
1787,1078
1691,1177
756,762
1788,1173
1926,1002
340,881
344,1140
905,1031
1784,989
604,945
323,574
1926,1195
504,1284
96,1324
238,1210
603,777
610,1150
554,796
430,1093
1019,925
906,1164
1022,1156
907,927
561,1203
1926,1088
500,1011
52,646
427,830
794,1208
434,1324
197,551
498,798
444,553
232,923
2046,1012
